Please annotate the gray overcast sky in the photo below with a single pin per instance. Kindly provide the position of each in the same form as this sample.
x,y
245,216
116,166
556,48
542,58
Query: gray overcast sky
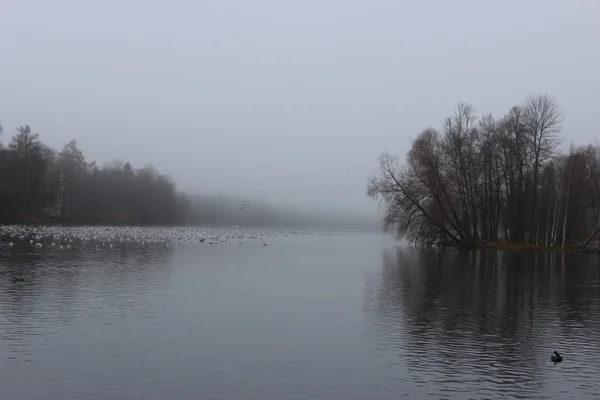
x,y
278,99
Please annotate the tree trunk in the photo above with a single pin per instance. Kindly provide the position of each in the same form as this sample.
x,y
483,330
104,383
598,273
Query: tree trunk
x,y
28,168
564,238
557,206
590,238
532,228
598,237
548,218
539,217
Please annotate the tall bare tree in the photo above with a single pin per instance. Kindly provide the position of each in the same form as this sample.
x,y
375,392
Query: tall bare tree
x,y
542,119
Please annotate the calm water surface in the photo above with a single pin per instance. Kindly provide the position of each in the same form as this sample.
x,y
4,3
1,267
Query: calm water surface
x,y
306,317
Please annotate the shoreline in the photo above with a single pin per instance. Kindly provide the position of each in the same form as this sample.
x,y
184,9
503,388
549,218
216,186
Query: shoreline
x,y
508,246
33,222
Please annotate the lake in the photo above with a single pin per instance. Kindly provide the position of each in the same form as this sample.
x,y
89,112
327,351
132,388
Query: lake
x,y
155,314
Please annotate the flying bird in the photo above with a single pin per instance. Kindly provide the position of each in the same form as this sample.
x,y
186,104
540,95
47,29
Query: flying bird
x,y
244,205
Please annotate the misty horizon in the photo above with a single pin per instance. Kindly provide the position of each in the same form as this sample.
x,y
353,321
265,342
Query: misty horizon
x,y
237,199
277,101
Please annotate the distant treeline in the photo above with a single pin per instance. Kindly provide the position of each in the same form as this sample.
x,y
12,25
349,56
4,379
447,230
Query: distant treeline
x,y
39,184
493,180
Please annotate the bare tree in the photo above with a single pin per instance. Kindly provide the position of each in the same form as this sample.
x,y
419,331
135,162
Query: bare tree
x,y
592,190
542,119
476,179
414,200
459,147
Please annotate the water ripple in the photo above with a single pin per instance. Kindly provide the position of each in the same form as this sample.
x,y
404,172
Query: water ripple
x,y
485,324
308,316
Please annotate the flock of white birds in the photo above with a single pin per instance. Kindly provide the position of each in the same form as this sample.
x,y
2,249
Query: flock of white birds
x,y
64,237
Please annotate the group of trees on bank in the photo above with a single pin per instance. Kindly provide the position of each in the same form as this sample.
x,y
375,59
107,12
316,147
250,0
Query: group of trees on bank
x,y
488,179
38,182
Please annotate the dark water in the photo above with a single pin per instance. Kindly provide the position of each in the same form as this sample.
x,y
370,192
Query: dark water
x,y
311,317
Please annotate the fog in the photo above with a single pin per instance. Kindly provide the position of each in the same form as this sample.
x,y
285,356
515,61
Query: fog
x,y
287,101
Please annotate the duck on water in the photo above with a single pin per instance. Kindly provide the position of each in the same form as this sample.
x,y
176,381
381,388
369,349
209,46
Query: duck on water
x,y
556,357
